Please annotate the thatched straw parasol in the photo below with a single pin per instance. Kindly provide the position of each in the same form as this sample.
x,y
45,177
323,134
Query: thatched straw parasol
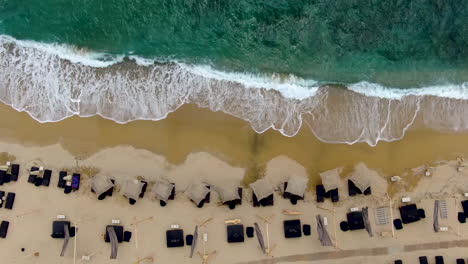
x,y
331,179
101,184
262,188
297,185
162,190
197,192
363,177
132,189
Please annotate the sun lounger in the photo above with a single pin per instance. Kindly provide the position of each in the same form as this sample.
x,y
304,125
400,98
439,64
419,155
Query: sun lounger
x,y
61,181
46,178
2,177
320,190
76,181
14,172
335,197
460,261
4,229
32,177
143,190
10,200
2,194
439,260
398,261
423,260
172,196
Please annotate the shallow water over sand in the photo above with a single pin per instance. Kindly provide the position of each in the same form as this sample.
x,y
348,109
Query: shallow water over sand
x,y
192,129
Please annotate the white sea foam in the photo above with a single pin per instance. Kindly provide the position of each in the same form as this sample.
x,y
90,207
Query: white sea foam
x,y
52,82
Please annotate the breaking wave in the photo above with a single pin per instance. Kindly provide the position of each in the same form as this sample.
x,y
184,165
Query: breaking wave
x,y
52,82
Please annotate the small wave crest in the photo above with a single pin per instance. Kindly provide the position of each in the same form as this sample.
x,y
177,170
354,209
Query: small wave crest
x,y
53,82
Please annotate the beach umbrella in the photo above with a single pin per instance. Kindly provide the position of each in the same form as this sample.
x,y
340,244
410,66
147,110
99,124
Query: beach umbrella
x,y
162,190
363,177
297,185
262,188
227,195
65,241
114,242
132,189
331,179
197,192
259,234
101,184
194,241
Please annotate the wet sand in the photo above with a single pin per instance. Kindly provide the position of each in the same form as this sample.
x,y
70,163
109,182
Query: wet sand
x,y
192,129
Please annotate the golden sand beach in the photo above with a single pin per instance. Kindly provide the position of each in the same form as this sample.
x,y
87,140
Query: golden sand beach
x,y
194,144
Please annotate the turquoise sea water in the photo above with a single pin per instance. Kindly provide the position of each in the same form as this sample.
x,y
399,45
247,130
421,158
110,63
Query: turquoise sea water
x,y
398,43
403,62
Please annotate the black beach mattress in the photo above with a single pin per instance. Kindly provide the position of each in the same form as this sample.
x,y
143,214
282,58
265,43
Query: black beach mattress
x,y
235,233
175,238
292,228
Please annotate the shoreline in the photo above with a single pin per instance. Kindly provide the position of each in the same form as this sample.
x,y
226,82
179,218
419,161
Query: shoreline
x,y
51,88
193,129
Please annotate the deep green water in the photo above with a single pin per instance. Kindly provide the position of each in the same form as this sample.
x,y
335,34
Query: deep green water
x,y
423,41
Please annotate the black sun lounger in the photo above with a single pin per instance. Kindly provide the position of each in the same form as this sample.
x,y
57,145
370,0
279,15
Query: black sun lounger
x,y
423,260
2,194
4,229
32,178
460,261
292,228
439,260
320,191
61,182
14,172
10,200
119,231
2,177
46,178
235,233
175,238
